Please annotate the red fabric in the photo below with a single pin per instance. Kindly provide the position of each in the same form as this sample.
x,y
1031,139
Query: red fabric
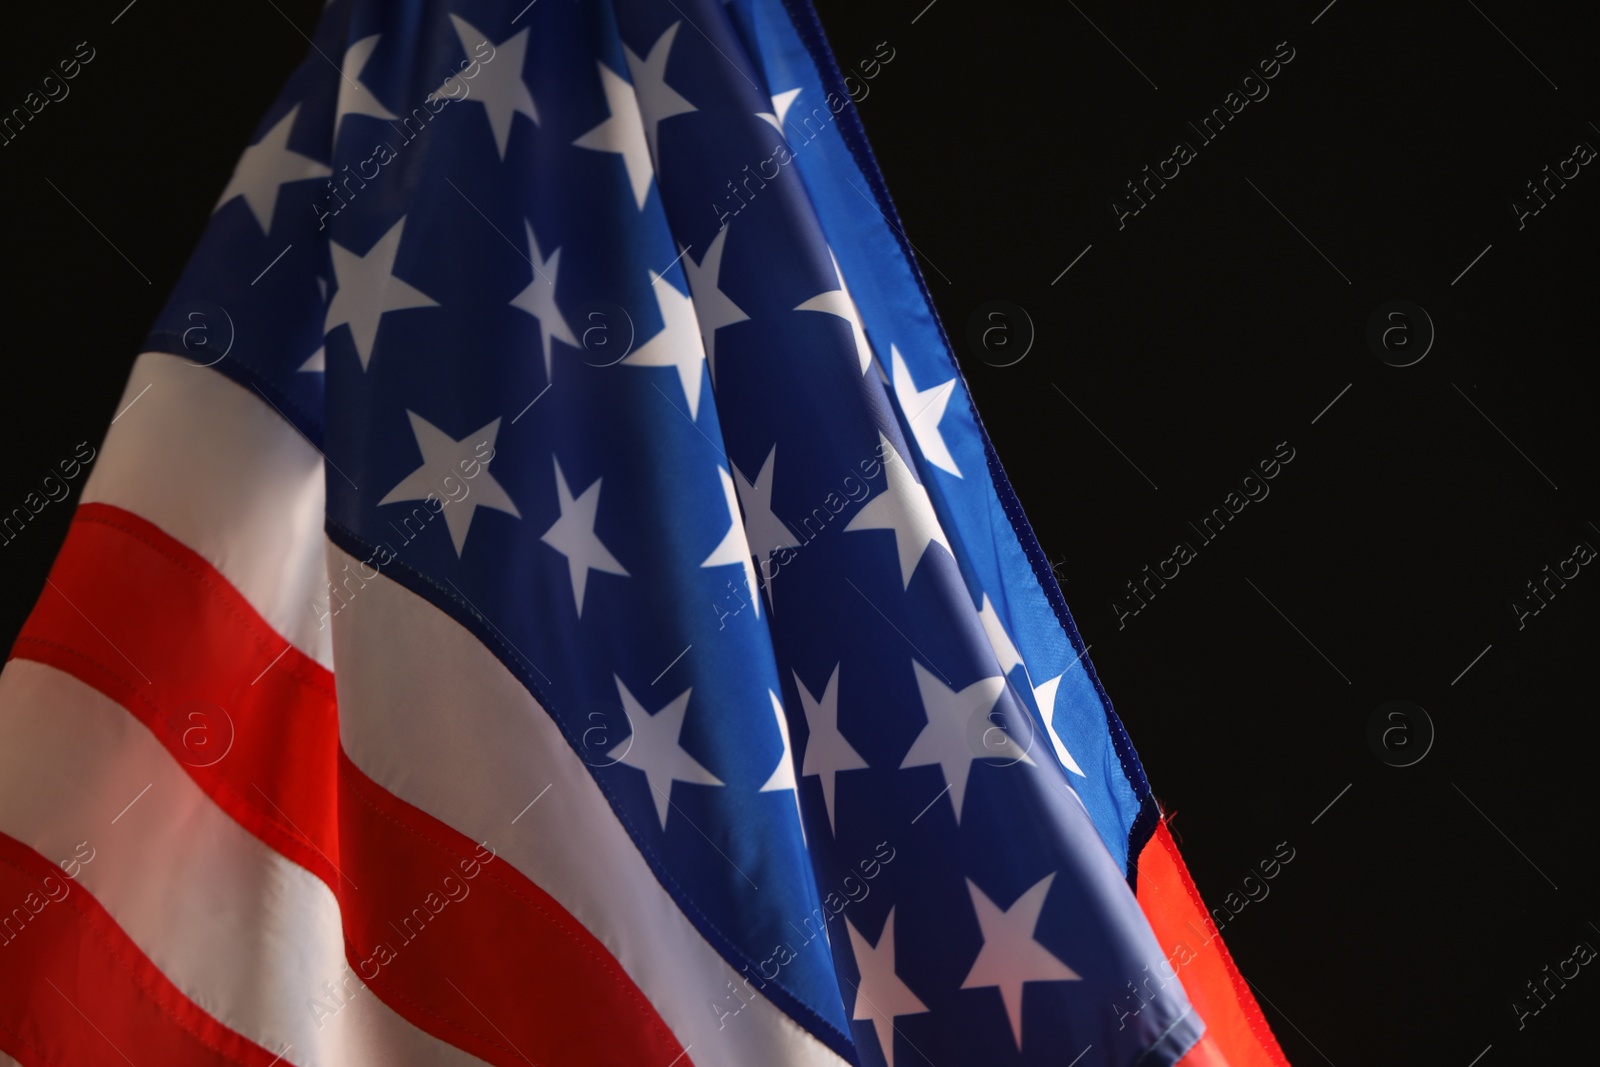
x,y
149,623
482,944
153,626
1237,1034
110,1004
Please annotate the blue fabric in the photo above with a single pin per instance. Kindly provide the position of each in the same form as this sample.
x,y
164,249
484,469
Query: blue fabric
x,y
867,613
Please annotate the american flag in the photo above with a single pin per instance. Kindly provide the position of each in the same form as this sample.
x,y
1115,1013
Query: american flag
x,y
547,597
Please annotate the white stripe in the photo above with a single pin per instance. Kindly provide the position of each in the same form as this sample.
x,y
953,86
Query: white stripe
x,y
216,468
247,935
427,712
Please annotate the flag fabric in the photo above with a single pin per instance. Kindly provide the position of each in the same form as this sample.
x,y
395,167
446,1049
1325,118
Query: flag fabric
x,y
547,597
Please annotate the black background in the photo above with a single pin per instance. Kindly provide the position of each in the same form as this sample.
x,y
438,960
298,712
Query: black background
x,y
1173,356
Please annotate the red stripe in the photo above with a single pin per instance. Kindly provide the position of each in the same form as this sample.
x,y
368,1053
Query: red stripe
x,y
490,963
152,625
74,989
1237,1034
469,949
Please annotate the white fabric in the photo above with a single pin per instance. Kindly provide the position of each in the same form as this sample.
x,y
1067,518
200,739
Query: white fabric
x,y
244,933
427,712
214,466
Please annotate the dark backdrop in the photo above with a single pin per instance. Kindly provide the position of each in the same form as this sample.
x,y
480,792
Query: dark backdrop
x,y
1171,344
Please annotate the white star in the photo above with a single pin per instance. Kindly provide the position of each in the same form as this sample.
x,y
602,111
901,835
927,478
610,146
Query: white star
x,y
539,300
733,548
903,507
658,101
653,748
923,409
1005,652
764,531
443,457
712,307
573,536
839,302
355,98
783,774
368,289
781,102
1044,694
265,167
953,725
677,345
1010,956
499,86
622,133
881,996
827,751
